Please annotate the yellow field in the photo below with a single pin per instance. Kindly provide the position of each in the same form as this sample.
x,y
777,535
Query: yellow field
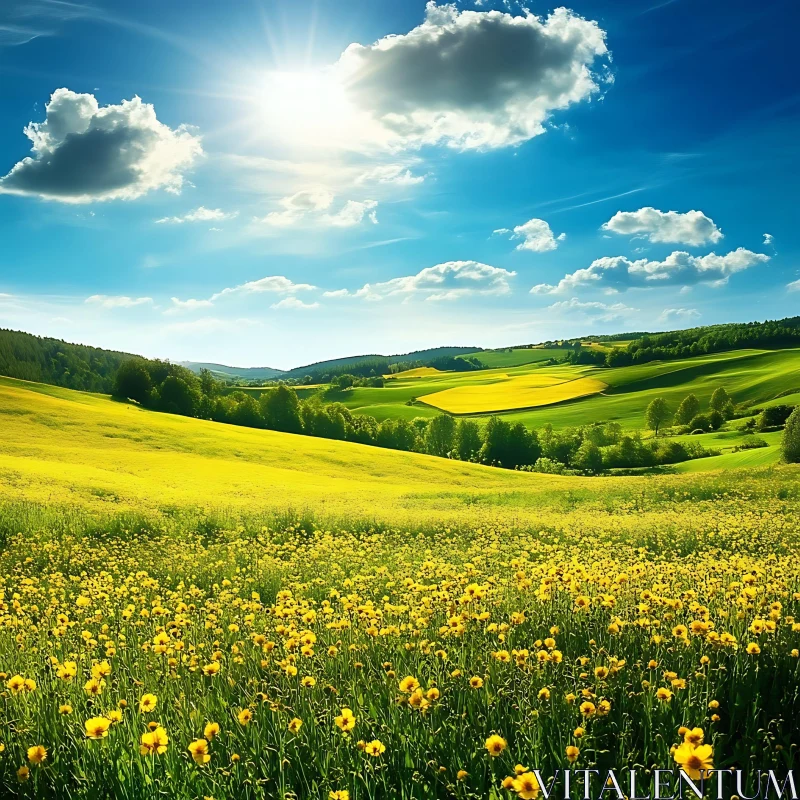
x,y
525,391
419,372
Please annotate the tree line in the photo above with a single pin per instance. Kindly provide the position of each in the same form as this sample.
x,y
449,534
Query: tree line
x,y
593,448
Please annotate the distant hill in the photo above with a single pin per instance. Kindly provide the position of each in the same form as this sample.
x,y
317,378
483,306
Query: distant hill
x,y
224,372
337,364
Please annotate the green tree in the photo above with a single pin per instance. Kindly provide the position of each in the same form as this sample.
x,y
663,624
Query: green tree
x,y
719,400
177,397
790,442
495,441
701,422
132,381
468,439
689,408
440,436
280,409
588,458
246,412
657,414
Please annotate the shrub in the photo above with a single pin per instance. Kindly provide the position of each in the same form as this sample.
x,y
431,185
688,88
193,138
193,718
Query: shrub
x,y
790,443
701,422
774,417
751,443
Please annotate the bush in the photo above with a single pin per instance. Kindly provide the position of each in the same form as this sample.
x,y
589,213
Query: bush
x,y
751,443
774,417
701,423
790,443
717,419
547,466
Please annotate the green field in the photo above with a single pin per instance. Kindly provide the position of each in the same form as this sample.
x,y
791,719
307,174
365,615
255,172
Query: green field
x,y
752,377
519,356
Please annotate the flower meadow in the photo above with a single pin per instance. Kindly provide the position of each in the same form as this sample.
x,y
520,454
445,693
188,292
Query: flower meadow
x,y
287,658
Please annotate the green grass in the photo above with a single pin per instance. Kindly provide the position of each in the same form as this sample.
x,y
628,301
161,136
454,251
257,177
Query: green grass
x,y
516,357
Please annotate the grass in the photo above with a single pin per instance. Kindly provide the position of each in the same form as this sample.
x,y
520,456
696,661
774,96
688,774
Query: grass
x,y
418,372
264,582
517,356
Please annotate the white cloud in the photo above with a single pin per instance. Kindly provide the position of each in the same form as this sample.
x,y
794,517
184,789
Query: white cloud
x,y
310,207
187,305
337,293
472,79
693,228
447,281
395,174
275,284
536,236
594,310
294,303
683,314
617,273
200,214
84,152
353,213
117,301
768,238
794,286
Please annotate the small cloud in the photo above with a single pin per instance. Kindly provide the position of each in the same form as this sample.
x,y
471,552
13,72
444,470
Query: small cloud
x,y
794,286
200,214
683,314
395,174
277,284
594,310
187,305
768,239
337,293
294,303
311,207
535,234
117,301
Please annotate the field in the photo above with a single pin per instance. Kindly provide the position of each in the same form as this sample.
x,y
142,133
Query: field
x,y
753,378
194,610
517,356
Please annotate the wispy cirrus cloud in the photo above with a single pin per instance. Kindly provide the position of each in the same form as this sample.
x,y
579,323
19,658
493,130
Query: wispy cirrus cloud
x,y
118,301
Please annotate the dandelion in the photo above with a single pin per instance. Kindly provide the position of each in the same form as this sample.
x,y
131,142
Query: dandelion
x,y
526,786
37,754
211,669
409,685
97,727
294,725
199,751
572,753
475,682
495,744
147,703
245,716
374,748
345,721
211,730
694,761
154,742
65,709
340,794
23,773
664,695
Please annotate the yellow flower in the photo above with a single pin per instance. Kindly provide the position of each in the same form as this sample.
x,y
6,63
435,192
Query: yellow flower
x,y
65,709
572,753
374,748
211,669
115,715
199,751
94,686
346,721
495,745
526,786
23,773
97,727
211,730
544,694
154,742
341,794
475,682
295,724
244,716
37,754
588,709
664,695
694,736
147,703
753,649
694,761
409,685
308,682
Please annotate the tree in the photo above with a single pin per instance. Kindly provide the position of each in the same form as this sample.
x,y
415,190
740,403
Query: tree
x,y
657,414
440,436
468,439
588,458
280,409
495,441
177,397
774,417
701,422
132,381
688,409
719,400
717,419
790,442
246,412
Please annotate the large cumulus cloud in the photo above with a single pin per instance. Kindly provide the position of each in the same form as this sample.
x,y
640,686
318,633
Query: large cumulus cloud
x,y
618,273
474,79
84,152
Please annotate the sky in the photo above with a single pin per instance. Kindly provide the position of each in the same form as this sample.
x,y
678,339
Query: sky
x,y
278,182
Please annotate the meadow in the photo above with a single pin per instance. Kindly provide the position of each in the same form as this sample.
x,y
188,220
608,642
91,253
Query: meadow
x,y
193,610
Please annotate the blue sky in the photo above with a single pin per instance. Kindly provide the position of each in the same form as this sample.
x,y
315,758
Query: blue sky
x,y
275,183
